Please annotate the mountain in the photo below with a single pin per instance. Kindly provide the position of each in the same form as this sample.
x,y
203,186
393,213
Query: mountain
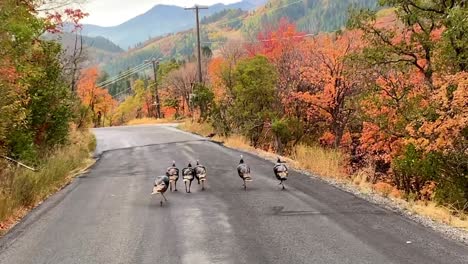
x,y
97,50
68,41
257,3
310,16
158,21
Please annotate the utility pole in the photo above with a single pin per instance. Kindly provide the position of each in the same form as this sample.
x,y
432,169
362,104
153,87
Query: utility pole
x,y
156,94
197,11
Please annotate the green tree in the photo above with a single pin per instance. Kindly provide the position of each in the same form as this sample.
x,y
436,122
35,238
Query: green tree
x,y
203,100
254,97
38,104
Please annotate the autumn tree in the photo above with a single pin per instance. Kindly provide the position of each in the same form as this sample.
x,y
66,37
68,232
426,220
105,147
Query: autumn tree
x,y
439,142
414,120
36,103
96,101
221,74
387,109
284,49
180,82
329,82
414,38
72,56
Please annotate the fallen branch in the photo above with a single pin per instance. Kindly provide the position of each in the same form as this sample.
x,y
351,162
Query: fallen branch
x,y
18,163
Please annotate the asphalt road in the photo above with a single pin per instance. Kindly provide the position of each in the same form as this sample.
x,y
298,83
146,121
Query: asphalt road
x,y
108,215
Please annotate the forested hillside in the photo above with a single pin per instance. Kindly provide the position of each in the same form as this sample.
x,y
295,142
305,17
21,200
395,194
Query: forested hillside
x,y
97,50
310,16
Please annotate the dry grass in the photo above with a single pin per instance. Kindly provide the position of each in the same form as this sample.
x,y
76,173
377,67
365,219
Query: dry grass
x,y
148,121
330,164
203,129
361,180
235,141
320,161
22,190
428,209
439,213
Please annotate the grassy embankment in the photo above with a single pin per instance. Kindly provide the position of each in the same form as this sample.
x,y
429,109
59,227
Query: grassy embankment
x,y
149,121
330,164
22,189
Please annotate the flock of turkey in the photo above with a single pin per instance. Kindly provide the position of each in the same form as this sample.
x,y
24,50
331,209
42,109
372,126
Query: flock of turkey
x,y
162,183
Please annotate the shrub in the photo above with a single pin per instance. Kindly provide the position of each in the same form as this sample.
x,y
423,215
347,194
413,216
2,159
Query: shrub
x,y
203,100
414,168
288,132
254,97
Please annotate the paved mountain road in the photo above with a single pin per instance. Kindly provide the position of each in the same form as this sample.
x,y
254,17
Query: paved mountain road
x,y
108,216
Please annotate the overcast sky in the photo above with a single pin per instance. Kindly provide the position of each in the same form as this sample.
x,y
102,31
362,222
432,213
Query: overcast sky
x,y
114,12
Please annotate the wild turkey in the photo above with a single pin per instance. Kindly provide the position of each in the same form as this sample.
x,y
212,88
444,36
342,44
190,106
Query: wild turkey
x,y
173,174
188,175
281,172
200,174
160,187
244,172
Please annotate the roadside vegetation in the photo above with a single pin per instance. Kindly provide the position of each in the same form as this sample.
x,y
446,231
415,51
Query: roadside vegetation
x,y
40,108
381,104
22,189
331,164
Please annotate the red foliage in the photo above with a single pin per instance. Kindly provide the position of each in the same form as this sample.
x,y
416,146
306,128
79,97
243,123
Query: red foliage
x,y
56,20
273,43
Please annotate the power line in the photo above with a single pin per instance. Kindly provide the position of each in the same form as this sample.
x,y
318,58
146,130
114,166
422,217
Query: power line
x,y
126,72
121,92
124,75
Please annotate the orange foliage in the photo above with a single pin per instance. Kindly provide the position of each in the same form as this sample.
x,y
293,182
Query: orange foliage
x,y
400,96
96,99
215,72
450,100
327,74
428,190
377,144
